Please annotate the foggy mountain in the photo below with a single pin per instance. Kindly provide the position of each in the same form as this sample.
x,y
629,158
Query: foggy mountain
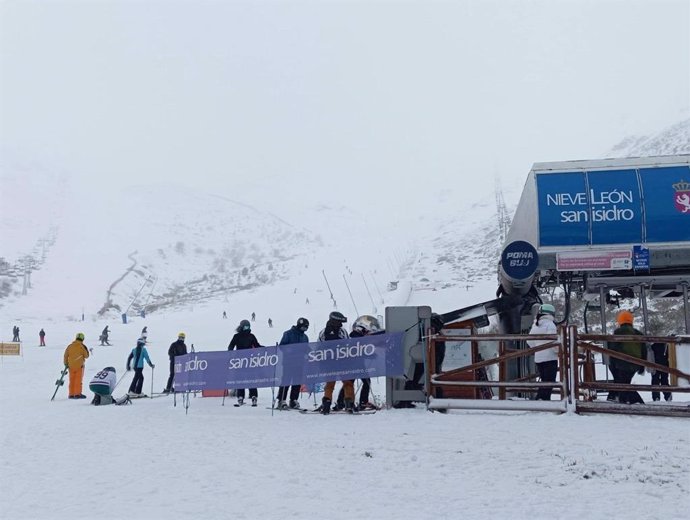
x,y
671,141
164,247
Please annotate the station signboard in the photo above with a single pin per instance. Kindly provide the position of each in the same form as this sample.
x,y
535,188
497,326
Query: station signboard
x,y
617,206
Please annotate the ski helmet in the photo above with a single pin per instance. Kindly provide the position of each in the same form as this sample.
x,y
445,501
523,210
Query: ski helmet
x,y
80,336
547,308
337,316
244,326
366,324
625,317
181,335
303,324
109,369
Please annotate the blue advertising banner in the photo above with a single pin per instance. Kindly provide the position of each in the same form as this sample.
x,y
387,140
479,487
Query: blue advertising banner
x,y
302,363
609,207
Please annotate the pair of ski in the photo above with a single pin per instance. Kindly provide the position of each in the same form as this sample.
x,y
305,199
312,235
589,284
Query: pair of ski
x,y
237,405
340,412
152,396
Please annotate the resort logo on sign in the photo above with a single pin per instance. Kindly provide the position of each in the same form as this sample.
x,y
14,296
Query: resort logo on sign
x,y
681,198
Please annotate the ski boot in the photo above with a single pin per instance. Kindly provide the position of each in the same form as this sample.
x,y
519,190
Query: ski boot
x,y
349,406
325,406
339,406
367,406
282,405
254,401
294,405
240,401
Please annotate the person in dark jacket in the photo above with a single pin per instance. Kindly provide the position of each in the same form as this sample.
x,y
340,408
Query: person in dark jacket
x,y
139,354
623,371
660,378
334,331
363,326
296,334
244,339
42,337
177,348
104,336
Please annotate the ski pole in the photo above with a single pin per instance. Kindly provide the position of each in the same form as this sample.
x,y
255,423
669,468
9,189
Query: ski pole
x,y
119,381
151,394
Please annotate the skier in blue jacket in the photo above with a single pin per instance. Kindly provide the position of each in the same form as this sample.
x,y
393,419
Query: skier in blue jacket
x,y
138,355
296,334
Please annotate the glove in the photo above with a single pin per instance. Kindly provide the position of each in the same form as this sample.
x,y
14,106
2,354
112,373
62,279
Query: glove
x,y
153,366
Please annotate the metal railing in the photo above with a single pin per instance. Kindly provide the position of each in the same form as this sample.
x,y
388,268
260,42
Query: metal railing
x,y
577,384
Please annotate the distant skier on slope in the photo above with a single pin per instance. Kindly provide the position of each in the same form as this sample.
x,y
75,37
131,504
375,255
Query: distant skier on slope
x,y
296,334
42,338
244,339
104,336
138,355
177,348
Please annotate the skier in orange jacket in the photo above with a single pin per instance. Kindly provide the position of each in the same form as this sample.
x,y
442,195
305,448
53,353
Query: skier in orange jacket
x,y
74,358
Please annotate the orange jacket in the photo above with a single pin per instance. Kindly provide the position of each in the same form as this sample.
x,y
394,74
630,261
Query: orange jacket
x,y
75,354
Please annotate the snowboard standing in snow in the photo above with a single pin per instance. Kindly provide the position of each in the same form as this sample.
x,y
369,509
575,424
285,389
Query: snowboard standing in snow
x,y
59,382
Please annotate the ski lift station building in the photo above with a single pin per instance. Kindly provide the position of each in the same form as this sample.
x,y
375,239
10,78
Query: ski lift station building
x,y
603,225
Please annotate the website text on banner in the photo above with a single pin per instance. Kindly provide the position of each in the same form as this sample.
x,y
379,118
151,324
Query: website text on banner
x,y
302,363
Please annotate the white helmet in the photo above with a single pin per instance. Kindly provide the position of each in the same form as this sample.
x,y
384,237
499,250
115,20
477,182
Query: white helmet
x,y
367,324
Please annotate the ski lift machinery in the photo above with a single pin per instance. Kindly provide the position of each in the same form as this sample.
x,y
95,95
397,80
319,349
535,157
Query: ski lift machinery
x,y
602,229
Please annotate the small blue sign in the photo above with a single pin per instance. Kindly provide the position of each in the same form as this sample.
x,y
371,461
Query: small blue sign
x,y
640,258
519,260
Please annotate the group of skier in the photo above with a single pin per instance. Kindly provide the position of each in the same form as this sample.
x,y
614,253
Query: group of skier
x,y
104,382
288,396
623,371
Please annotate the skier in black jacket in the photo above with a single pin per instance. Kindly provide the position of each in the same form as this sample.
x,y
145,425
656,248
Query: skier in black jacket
x,y
242,340
177,348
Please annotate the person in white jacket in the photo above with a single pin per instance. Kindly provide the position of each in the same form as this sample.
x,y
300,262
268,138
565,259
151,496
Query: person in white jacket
x,y
546,360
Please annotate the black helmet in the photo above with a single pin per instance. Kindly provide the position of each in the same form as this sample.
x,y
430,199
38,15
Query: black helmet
x,y
303,324
109,369
337,316
436,321
244,325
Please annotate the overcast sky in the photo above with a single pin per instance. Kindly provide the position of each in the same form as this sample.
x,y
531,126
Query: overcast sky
x,y
334,100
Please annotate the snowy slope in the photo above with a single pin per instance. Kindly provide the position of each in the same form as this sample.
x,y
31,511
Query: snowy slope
x,y
670,141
